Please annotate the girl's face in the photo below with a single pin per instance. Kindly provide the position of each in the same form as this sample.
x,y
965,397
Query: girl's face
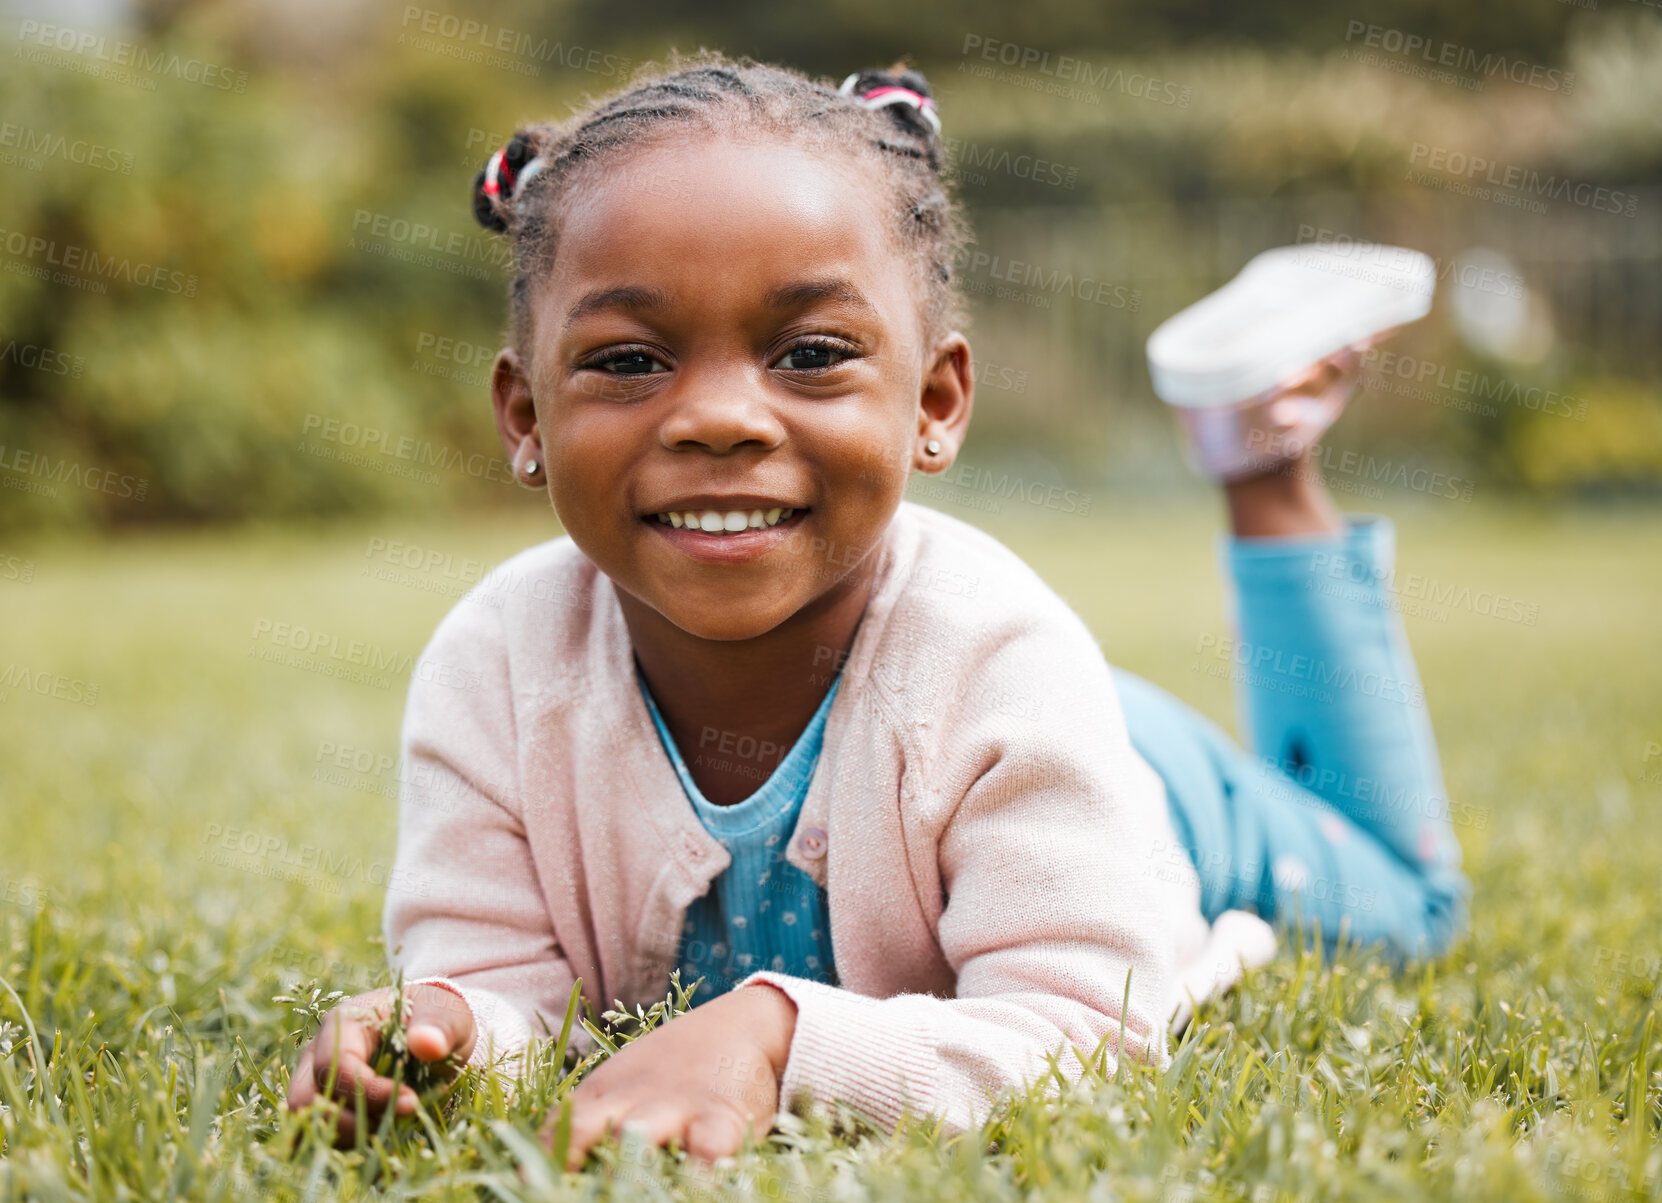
x,y
729,328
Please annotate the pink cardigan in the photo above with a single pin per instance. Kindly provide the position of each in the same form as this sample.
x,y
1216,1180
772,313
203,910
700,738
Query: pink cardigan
x,y
998,859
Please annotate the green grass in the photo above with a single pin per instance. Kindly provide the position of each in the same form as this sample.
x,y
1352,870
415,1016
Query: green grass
x,y
1525,1066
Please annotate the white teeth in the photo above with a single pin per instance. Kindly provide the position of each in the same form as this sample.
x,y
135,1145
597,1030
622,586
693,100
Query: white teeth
x,y
730,522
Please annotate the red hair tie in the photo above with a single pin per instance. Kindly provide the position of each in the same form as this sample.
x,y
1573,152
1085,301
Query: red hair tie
x,y
497,169
889,94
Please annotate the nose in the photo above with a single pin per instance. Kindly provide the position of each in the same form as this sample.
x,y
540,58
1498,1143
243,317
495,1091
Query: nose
x,y
720,412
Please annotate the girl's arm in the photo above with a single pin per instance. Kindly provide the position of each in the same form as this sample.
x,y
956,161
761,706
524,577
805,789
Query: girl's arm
x,y
1053,900
464,907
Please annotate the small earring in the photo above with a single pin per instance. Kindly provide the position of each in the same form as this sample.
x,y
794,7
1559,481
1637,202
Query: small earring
x,y
531,468
931,448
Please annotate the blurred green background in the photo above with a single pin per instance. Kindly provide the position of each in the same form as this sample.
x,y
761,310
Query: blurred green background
x,y
239,278
240,288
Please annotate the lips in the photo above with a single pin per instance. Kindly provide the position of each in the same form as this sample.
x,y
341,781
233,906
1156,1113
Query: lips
x,y
730,529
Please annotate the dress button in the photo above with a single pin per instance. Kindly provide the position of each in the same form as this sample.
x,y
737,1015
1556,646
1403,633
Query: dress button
x,y
812,843
693,850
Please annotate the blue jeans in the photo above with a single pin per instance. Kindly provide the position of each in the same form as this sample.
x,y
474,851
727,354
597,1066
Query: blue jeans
x,y
1338,817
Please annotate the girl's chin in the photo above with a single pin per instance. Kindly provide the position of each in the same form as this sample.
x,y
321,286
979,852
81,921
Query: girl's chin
x,y
734,626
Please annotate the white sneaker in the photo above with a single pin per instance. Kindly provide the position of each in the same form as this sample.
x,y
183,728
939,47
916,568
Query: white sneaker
x,y
1261,367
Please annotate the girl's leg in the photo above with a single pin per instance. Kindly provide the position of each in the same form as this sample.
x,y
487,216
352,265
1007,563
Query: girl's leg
x,y
1325,682
1341,818
1261,842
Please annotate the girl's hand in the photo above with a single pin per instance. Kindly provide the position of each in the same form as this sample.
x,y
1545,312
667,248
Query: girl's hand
x,y
440,1026
706,1080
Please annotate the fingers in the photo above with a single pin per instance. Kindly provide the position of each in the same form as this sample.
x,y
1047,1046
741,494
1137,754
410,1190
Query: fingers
x,y
715,1133
707,1132
592,1122
302,1087
353,1076
440,1024
340,1053
346,1029
656,1122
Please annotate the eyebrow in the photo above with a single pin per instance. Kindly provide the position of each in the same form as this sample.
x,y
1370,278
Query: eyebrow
x,y
637,298
632,298
797,296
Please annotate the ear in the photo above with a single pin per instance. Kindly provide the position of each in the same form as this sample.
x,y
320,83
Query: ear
x,y
516,415
945,402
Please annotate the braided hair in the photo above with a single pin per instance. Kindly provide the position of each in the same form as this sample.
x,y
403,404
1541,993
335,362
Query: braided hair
x,y
519,191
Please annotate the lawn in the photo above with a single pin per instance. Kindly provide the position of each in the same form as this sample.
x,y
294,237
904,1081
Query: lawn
x,y
191,828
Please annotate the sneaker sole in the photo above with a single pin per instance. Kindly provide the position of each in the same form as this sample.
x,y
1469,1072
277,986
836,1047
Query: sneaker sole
x,y
1287,309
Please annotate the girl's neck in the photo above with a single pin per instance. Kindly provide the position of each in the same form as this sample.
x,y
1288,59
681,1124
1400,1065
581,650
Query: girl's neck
x,y
713,693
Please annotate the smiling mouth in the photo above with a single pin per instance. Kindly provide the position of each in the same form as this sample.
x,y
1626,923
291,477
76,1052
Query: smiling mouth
x,y
725,522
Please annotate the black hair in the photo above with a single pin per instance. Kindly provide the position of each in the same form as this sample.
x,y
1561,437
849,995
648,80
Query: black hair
x,y
709,91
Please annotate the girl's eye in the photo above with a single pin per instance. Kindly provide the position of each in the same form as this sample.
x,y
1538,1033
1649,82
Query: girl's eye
x,y
631,363
812,357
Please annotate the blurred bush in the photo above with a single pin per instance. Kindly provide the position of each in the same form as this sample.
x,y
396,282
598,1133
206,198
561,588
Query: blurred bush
x,y
269,299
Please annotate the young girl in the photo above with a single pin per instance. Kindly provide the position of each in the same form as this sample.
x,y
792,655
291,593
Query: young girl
x,y
845,758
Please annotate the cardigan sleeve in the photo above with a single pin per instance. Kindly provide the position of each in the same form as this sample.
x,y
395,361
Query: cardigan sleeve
x,y
464,907
1055,923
